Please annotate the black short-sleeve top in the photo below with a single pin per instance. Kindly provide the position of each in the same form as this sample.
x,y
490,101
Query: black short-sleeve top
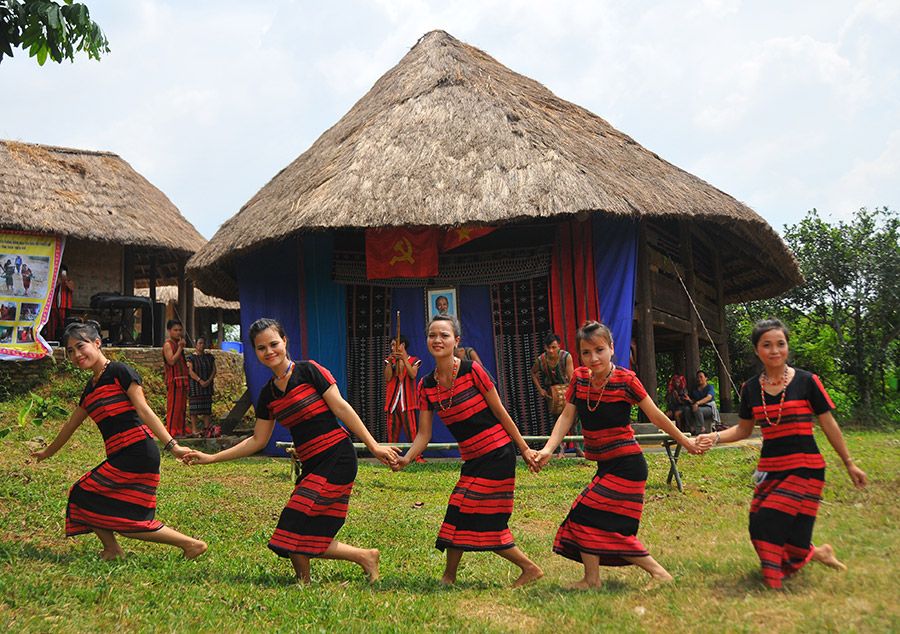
x,y
607,429
302,410
788,444
464,409
108,405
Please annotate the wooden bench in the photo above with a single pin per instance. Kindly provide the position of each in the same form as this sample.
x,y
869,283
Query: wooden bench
x,y
665,440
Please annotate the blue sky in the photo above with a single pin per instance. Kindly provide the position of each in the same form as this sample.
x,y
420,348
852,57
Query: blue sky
x,y
785,106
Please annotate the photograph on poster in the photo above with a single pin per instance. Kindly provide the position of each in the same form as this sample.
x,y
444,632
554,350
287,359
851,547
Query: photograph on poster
x,y
8,311
24,334
6,334
29,311
441,301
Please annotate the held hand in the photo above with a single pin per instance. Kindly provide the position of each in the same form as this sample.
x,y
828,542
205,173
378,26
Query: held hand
x,y
704,442
399,465
857,476
180,452
528,457
541,458
196,457
386,455
692,448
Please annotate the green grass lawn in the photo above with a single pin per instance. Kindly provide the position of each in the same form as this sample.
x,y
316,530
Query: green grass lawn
x,y
50,583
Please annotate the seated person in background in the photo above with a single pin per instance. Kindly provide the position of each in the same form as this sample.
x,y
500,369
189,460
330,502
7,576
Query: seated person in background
x,y
467,354
676,399
702,410
551,373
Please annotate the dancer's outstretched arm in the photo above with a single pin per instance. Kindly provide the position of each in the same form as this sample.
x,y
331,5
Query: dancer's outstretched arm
x,y
346,414
151,420
262,432
63,436
493,400
836,438
658,418
423,437
560,429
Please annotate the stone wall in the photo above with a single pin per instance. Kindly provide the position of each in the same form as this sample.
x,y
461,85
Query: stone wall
x,y
20,376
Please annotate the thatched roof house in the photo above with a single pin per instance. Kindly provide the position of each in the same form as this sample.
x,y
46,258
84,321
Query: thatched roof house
x,y
585,223
450,136
120,230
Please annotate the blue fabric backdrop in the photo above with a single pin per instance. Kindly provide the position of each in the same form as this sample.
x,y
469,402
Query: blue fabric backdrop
x,y
267,280
269,283
615,268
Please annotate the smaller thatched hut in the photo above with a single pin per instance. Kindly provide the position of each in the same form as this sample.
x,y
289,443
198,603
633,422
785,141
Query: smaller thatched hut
x,y
208,310
121,232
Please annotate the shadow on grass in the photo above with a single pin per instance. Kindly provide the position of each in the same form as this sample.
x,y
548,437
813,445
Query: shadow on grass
x,y
10,552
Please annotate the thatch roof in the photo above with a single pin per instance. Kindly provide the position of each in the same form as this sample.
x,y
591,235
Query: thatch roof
x,y
451,136
166,294
91,195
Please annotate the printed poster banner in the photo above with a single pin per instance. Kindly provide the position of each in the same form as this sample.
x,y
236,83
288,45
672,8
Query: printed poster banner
x,y
29,265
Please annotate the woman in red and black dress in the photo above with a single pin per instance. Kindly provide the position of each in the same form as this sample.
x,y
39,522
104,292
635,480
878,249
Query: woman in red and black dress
x,y
119,495
304,398
601,527
785,402
464,396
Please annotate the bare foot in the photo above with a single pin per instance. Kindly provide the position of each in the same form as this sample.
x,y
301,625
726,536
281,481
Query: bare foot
x,y
448,580
584,584
530,574
370,564
824,554
196,549
111,554
659,579
303,581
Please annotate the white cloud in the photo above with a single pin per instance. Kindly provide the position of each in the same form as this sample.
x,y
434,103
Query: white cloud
x,y
784,106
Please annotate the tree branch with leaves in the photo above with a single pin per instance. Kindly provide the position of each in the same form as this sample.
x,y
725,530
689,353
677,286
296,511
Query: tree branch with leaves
x,y
48,29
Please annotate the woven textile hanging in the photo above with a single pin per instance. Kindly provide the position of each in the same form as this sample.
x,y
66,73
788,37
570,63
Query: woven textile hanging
x,y
368,342
521,320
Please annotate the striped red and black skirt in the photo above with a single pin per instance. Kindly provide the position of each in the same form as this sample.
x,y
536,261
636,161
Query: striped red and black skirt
x,y
478,513
119,494
604,518
782,516
318,506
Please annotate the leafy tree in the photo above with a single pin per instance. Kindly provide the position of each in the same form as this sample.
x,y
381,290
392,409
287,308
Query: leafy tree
x,y
847,314
49,29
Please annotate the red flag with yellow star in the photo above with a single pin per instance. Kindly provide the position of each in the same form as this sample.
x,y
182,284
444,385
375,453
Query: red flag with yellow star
x,y
458,236
401,252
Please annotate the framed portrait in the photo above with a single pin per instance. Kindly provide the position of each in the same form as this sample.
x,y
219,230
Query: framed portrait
x,y
441,301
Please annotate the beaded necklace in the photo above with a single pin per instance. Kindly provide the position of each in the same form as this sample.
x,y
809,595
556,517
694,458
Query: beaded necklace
x,y
602,390
96,380
286,372
762,393
449,404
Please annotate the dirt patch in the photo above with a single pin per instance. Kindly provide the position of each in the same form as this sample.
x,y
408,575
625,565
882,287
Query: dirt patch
x,y
499,616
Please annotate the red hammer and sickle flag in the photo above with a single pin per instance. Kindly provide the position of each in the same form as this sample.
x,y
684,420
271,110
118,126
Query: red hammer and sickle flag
x,y
458,236
401,252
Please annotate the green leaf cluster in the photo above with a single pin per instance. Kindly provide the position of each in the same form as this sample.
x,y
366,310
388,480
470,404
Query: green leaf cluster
x,y
48,29
845,319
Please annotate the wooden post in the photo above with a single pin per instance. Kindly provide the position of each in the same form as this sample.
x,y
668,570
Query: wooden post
x,y
646,344
128,290
726,389
189,313
221,326
692,339
156,336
